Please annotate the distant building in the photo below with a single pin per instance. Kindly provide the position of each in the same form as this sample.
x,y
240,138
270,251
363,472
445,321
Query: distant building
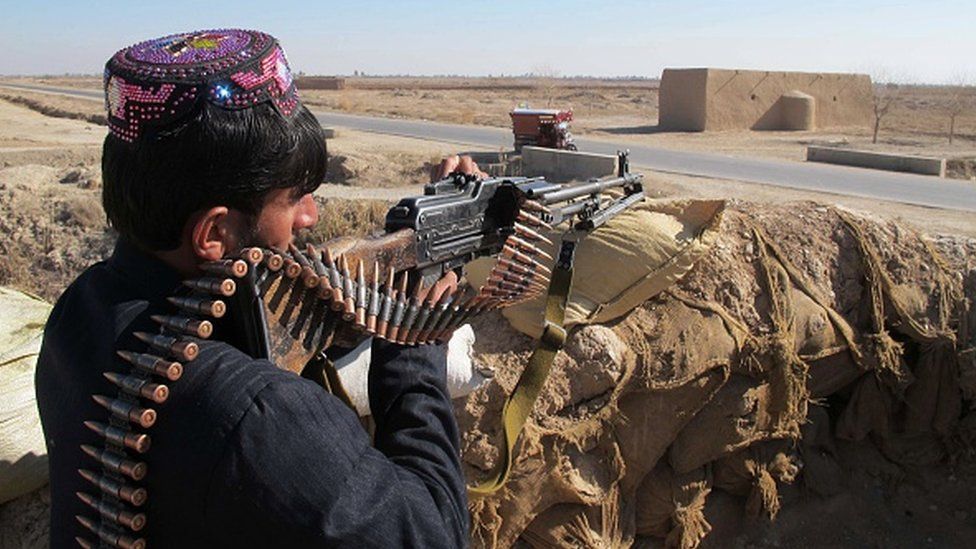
x,y
724,99
320,83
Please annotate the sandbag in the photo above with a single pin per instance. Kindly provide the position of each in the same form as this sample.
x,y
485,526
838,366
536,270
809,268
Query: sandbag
x,y
755,473
672,506
23,455
578,526
737,417
635,256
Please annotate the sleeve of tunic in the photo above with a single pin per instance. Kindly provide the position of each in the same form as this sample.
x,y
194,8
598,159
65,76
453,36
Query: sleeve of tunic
x,y
299,470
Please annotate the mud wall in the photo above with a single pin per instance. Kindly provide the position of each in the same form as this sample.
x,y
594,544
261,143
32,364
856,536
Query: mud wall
x,y
726,99
320,83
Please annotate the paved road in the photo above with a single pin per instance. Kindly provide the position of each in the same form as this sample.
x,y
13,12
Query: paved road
x,y
907,188
76,92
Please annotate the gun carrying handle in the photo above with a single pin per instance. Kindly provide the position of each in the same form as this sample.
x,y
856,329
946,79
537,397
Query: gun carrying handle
x,y
397,250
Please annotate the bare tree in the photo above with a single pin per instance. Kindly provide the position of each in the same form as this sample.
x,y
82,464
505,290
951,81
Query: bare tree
x,y
885,94
546,78
962,98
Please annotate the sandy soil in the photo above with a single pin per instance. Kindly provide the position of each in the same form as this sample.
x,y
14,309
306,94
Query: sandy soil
x,y
50,208
23,129
363,160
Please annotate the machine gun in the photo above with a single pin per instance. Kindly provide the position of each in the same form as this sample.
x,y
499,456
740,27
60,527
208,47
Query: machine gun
x,y
297,299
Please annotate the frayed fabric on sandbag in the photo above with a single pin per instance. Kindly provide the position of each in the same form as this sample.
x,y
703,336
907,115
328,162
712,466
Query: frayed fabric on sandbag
x,y
930,392
755,472
672,506
577,525
23,455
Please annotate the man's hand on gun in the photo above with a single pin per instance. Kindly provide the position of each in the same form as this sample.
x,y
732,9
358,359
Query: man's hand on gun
x,y
456,163
448,283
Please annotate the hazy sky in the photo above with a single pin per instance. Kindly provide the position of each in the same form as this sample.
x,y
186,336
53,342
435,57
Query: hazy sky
x,y
933,41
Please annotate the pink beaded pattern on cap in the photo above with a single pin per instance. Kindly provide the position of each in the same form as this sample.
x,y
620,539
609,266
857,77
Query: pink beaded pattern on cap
x,y
156,83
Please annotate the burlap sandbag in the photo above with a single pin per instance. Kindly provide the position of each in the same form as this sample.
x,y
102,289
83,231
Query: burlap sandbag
x,y
738,416
755,471
627,261
23,456
672,506
576,525
896,400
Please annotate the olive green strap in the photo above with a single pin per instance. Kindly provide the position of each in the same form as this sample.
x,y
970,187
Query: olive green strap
x,y
322,371
335,385
519,404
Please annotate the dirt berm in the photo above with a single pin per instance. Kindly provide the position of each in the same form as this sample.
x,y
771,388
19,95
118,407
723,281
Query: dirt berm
x,y
810,344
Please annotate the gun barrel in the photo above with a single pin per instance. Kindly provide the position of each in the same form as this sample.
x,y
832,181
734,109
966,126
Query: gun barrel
x,y
609,212
561,214
585,189
538,186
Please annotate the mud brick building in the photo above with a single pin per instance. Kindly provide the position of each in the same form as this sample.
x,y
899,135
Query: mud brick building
x,y
726,99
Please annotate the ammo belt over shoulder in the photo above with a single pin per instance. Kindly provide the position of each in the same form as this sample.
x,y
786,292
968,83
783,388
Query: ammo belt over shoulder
x,y
118,471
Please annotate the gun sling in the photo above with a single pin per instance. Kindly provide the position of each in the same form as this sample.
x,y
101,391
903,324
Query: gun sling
x,y
519,404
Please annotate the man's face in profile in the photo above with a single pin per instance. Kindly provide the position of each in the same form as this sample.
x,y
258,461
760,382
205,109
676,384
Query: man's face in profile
x,y
284,213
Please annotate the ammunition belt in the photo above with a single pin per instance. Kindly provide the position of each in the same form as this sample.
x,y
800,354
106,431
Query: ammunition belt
x,y
375,303
117,489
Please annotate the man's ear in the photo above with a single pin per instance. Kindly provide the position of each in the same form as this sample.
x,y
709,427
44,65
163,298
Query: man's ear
x,y
214,233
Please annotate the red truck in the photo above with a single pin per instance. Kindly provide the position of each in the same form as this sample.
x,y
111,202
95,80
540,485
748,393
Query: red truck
x,y
542,128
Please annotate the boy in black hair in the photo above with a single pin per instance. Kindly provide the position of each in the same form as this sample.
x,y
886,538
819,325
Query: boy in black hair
x,y
210,150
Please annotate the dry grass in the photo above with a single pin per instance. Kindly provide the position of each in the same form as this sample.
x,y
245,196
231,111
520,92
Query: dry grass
x,y
341,217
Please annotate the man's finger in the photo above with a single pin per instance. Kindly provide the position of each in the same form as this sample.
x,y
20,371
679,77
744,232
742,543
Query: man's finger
x,y
447,284
469,166
448,166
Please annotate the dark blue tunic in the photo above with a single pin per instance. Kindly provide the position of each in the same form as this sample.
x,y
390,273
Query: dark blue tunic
x,y
244,454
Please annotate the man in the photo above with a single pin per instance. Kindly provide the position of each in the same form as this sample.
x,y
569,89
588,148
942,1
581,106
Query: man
x,y
210,150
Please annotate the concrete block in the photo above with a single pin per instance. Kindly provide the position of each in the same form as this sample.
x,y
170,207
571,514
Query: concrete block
x,y
879,161
561,166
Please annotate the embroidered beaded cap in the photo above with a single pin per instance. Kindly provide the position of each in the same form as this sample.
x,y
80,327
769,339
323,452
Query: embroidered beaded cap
x,y
157,82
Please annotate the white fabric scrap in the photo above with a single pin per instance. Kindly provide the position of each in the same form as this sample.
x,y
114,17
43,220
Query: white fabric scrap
x,y
462,377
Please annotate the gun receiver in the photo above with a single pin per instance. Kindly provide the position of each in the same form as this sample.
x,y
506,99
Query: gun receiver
x,y
461,218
